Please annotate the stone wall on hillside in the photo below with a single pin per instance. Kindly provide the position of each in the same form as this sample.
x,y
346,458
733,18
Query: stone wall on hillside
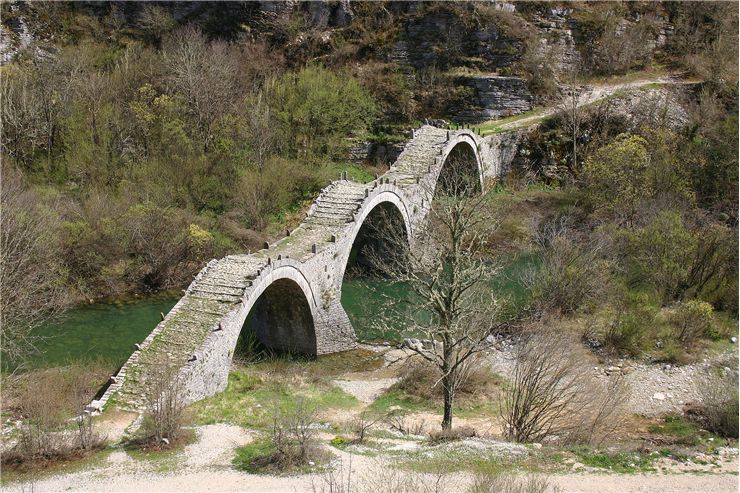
x,y
494,97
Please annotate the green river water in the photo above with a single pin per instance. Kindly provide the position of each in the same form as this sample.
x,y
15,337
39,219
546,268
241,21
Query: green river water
x,y
109,330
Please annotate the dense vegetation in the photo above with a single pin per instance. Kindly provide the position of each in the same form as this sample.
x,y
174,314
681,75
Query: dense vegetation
x,y
143,141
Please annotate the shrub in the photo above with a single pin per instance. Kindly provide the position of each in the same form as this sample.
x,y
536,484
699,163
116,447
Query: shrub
x,y
362,424
629,174
551,394
509,483
420,379
720,404
628,329
46,401
163,421
692,320
569,275
291,444
678,261
318,109
451,435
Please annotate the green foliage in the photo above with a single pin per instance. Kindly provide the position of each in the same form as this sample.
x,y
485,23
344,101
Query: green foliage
x,y
619,462
659,253
338,441
677,426
629,174
248,456
317,110
693,319
677,261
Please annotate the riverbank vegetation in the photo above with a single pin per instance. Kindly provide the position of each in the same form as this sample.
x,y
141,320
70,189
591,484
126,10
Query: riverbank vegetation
x,y
135,153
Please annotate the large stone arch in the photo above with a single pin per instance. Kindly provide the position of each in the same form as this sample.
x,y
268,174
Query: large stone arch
x,y
284,312
300,274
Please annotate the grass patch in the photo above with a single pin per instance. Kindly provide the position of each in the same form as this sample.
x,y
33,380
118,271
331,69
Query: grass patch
x,y
261,457
249,456
396,399
682,431
677,426
619,462
356,172
253,393
497,126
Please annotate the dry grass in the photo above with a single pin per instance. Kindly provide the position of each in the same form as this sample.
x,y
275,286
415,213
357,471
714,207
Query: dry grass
x,y
46,401
421,380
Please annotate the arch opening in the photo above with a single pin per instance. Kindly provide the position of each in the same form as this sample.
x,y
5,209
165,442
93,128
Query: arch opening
x,y
279,321
366,287
460,174
382,236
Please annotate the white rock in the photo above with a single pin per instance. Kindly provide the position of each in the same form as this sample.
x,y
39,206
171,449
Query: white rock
x,y
733,339
659,396
165,441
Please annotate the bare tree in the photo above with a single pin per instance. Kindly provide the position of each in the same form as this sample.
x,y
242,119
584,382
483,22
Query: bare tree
x,y
571,92
205,74
31,290
569,273
261,133
552,393
446,271
165,407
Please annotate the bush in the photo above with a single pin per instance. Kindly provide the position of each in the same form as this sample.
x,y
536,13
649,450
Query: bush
x,y
509,483
164,419
629,175
318,110
451,435
291,445
551,394
629,328
46,400
420,379
569,275
692,320
678,261
720,404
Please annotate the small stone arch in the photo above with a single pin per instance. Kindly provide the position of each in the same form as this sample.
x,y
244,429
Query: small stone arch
x,y
463,149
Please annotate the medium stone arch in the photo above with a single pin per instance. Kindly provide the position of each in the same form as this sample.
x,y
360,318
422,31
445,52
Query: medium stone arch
x,y
463,149
282,312
389,199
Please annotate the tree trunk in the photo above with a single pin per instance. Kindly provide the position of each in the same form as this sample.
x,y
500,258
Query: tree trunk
x,y
449,395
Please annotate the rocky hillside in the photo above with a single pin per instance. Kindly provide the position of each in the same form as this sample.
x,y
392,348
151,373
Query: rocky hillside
x,y
469,61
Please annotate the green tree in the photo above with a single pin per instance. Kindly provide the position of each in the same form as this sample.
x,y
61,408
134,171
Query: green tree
x,y
319,110
630,173
680,262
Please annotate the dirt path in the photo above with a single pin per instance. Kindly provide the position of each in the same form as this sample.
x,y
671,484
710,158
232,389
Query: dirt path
x,y
214,473
591,94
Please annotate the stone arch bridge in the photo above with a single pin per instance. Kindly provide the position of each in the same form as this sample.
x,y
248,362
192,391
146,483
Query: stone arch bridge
x,y
293,286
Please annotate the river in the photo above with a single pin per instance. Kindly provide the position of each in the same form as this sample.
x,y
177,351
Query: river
x,y
108,331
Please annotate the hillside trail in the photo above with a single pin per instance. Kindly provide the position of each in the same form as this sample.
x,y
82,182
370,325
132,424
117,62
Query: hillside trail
x,y
592,93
